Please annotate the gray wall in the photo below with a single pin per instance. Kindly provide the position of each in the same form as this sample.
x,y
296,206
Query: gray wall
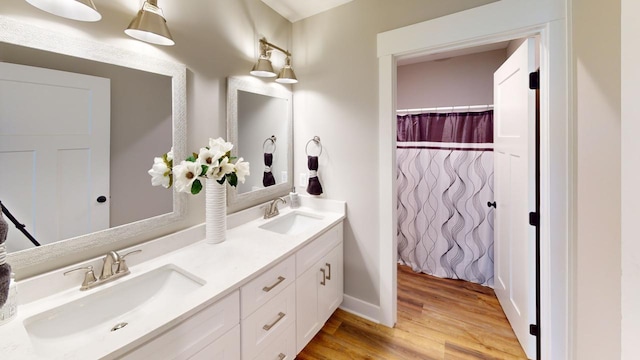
x,y
461,80
334,55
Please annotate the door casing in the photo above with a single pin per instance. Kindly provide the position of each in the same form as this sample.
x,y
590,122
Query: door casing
x,y
495,22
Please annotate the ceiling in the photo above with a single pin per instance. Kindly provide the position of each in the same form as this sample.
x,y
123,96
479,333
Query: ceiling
x,y
294,10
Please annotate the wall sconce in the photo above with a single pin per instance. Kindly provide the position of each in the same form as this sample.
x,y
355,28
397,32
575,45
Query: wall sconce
x,y
264,68
81,10
150,25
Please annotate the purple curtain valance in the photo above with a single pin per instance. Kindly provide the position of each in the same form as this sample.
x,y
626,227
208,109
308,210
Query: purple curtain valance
x,y
466,127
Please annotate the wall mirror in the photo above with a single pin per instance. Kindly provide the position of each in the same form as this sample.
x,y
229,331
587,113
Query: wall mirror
x,y
147,116
259,124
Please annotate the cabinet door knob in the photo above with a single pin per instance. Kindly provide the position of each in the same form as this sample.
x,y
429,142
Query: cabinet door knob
x,y
323,282
281,356
328,267
101,199
491,204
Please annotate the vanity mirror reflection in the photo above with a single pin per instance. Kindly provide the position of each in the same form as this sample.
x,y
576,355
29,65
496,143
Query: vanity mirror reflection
x,y
146,116
259,123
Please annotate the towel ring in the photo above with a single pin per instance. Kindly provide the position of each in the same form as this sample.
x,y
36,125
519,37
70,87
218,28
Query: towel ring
x,y
271,139
315,140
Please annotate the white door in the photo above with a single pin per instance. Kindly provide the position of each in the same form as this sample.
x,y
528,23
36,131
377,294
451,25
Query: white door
x,y
54,152
514,171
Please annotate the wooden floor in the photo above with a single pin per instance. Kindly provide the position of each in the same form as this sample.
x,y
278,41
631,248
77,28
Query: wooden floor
x,y
437,319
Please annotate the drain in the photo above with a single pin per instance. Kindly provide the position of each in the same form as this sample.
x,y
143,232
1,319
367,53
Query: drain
x,y
119,326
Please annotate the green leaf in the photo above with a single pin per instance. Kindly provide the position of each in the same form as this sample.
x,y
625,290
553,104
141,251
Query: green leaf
x,y
233,179
196,187
192,158
221,181
204,170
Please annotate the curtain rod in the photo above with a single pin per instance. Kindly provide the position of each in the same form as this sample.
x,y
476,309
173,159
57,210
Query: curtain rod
x,y
448,108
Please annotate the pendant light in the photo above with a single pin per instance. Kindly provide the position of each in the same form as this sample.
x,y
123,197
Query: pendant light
x,y
150,26
81,10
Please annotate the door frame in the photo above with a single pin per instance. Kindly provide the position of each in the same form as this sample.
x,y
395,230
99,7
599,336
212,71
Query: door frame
x,y
499,21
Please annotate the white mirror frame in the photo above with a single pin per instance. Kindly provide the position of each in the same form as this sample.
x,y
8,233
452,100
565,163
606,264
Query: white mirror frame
x,y
27,35
241,201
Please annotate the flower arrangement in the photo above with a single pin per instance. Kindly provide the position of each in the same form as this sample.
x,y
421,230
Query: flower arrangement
x,y
211,162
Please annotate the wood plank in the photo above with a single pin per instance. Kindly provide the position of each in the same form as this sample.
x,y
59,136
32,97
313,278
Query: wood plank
x,y
437,319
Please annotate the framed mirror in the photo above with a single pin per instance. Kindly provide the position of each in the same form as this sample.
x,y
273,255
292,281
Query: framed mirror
x,y
146,106
260,125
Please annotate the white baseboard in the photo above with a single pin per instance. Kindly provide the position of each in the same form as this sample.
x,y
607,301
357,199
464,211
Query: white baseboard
x,y
361,308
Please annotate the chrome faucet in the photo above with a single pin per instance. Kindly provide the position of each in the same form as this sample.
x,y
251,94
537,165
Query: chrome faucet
x,y
111,259
271,209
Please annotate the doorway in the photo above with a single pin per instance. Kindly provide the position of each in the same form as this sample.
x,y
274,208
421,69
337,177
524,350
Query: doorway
x,y
500,21
446,178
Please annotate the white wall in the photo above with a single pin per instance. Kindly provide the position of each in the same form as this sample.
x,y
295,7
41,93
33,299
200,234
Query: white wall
x,y
596,71
630,74
334,55
461,80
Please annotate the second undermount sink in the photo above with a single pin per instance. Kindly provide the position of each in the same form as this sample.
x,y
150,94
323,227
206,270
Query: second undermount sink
x,y
292,223
92,318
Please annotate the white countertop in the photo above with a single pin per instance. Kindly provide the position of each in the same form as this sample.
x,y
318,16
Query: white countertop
x,y
225,267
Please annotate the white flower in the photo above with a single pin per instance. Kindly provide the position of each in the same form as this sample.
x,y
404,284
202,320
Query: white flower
x,y
209,157
242,169
185,174
221,170
220,145
170,155
160,173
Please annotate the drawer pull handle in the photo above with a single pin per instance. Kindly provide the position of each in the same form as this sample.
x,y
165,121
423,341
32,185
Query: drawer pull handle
x,y
329,267
268,327
269,288
281,356
323,282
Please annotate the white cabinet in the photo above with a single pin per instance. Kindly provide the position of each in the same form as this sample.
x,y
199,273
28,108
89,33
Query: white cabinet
x,y
268,309
319,288
209,334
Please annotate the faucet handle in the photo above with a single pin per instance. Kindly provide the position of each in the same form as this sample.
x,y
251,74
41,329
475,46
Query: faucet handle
x,y
89,276
122,264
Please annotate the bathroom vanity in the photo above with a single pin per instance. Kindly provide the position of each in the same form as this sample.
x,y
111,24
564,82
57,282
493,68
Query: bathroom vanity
x,y
261,294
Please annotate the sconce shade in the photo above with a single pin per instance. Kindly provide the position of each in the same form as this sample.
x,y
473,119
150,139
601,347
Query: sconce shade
x,y
286,75
263,68
81,10
150,26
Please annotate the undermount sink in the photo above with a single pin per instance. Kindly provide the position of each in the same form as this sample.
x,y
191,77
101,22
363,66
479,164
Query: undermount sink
x,y
292,223
92,318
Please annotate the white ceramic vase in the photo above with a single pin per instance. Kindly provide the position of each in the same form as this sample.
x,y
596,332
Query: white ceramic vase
x,y
216,212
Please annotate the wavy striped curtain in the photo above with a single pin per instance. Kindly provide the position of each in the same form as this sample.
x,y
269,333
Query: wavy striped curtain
x,y
445,179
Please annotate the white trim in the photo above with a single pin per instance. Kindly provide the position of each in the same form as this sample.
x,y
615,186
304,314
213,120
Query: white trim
x,y
387,197
499,21
361,308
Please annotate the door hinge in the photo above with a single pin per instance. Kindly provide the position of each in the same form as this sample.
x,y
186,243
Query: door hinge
x,y
534,219
534,80
533,329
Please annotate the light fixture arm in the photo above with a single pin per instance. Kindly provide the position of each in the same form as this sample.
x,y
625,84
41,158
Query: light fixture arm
x,y
264,42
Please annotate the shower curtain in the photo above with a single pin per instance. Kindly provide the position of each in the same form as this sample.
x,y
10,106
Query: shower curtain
x,y
445,179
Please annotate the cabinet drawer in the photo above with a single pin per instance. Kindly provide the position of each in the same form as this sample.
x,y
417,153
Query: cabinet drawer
x,y
192,335
227,347
315,250
267,286
262,327
282,348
